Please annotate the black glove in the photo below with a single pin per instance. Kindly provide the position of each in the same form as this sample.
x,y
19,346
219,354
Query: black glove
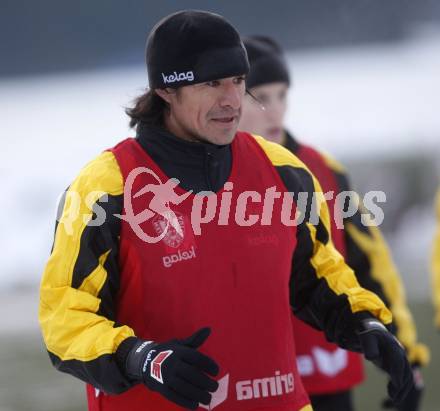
x,y
175,369
413,400
385,351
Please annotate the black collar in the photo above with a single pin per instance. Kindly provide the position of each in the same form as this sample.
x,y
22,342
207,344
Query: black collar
x,y
198,166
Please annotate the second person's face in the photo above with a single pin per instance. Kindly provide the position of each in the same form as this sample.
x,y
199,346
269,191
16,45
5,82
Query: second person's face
x,y
267,122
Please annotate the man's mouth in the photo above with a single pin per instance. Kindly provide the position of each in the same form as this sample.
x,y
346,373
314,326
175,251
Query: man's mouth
x,y
225,120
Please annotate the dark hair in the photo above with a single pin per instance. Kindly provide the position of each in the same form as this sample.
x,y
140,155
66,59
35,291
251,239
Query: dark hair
x,y
148,108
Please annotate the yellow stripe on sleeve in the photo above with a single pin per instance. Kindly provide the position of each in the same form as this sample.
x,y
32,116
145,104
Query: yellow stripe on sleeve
x,y
327,261
384,271
71,327
435,262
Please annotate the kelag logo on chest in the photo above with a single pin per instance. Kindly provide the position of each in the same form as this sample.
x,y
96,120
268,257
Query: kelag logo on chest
x,y
178,246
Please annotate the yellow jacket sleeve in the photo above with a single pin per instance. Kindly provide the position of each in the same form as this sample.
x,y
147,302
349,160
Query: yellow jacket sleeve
x,y
384,272
436,266
76,299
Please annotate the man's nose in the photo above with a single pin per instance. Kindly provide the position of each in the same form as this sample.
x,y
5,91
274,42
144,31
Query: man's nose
x,y
232,96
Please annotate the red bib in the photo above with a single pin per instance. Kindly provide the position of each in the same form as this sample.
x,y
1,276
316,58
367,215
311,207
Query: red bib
x,y
232,278
324,367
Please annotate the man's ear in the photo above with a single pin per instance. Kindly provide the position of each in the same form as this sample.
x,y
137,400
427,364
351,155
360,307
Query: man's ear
x,y
165,94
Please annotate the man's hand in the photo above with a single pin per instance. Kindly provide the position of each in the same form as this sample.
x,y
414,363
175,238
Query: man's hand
x,y
413,400
385,351
175,369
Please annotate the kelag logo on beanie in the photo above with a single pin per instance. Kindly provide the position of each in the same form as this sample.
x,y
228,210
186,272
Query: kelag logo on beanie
x,y
172,78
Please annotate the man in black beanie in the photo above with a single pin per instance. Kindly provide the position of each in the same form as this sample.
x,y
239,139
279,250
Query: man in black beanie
x,y
188,250
197,48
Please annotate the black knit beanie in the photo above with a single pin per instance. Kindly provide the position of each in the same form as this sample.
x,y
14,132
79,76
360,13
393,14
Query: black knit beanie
x,y
266,60
192,46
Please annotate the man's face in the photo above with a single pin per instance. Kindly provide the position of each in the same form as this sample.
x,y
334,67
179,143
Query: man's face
x,y
207,111
267,122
